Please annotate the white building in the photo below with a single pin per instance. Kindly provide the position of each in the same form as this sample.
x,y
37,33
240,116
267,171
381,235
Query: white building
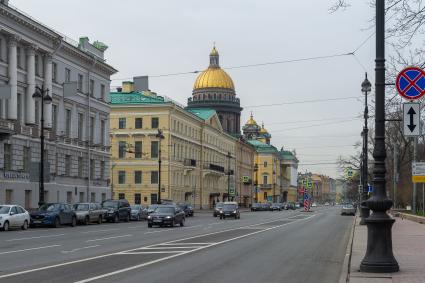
x,y
77,122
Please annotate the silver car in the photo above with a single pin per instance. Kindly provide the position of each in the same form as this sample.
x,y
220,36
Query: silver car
x,y
348,209
13,216
88,212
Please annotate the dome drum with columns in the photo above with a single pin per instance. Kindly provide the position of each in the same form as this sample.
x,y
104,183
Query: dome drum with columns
x,y
214,89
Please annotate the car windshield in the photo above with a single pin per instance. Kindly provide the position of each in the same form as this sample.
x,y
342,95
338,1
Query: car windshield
x,y
49,207
229,207
81,207
4,209
152,207
256,205
219,205
110,204
135,207
164,209
348,206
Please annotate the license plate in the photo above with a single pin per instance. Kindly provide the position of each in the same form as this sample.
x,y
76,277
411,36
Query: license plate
x,y
37,221
157,221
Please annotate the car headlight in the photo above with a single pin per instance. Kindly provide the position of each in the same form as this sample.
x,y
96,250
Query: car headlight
x,y
149,217
168,217
234,211
221,211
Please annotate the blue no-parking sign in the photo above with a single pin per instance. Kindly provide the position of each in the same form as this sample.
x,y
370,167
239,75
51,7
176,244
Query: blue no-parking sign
x,y
410,83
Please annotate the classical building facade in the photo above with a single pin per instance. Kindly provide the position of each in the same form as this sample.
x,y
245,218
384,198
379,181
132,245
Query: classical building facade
x,y
214,89
245,156
197,155
77,146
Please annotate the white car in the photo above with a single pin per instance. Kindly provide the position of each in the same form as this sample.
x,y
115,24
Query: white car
x,y
314,204
13,216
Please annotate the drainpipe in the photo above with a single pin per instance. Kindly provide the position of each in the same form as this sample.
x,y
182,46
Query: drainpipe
x,y
88,127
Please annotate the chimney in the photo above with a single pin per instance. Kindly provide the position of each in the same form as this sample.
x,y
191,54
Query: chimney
x,y
127,86
119,89
141,83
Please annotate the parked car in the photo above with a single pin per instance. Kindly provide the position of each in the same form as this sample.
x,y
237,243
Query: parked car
x,y
218,207
256,207
297,205
265,206
53,214
314,204
187,208
166,215
138,212
276,206
326,203
348,209
151,208
290,205
117,210
230,209
13,216
88,212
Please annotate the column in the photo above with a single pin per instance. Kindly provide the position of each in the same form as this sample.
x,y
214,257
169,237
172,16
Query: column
x,y
13,78
48,85
30,103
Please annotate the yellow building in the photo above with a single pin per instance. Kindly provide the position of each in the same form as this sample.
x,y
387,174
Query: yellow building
x,y
196,153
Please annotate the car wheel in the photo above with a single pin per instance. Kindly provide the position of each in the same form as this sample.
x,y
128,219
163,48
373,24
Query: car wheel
x,y
74,222
6,226
215,215
221,217
86,220
99,220
25,225
149,225
116,219
138,217
57,222
173,223
182,223
127,218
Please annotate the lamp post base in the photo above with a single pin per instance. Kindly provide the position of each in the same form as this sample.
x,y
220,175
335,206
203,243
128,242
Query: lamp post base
x,y
379,256
364,213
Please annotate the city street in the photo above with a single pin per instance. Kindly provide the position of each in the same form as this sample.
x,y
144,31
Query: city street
x,y
289,246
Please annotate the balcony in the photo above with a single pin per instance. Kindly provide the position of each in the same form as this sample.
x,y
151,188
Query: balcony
x,y
7,128
213,169
189,162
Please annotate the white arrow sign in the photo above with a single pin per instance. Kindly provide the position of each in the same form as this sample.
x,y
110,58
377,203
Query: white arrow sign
x,y
411,117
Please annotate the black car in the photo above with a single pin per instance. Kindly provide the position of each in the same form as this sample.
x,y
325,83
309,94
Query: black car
x,y
166,215
117,210
53,214
265,206
151,208
290,205
256,207
276,206
187,208
230,209
217,208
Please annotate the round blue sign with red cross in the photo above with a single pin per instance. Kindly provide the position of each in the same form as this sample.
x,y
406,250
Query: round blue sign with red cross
x,y
410,83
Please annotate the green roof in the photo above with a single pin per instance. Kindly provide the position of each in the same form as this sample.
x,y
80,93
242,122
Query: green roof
x,y
134,98
203,113
262,147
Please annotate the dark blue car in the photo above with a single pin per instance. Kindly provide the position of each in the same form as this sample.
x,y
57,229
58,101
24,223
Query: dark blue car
x,y
53,214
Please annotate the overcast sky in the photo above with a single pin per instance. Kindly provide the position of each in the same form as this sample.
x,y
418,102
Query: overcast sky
x,y
163,37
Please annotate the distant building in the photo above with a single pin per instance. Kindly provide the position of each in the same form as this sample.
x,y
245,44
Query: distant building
x,y
77,145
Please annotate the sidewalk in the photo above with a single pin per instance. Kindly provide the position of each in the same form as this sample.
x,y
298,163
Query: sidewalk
x,y
409,250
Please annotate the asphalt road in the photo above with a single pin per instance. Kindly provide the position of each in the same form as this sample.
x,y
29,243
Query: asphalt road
x,y
287,246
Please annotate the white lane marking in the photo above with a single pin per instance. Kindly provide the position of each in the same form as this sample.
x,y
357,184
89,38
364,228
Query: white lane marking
x,y
30,249
31,238
95,231
109,238
189,227
79,249
111,254
182,253
159,231
181,244
165,248
152,252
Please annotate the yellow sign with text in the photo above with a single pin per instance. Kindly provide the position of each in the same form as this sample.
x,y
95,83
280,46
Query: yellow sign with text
x,y
418,179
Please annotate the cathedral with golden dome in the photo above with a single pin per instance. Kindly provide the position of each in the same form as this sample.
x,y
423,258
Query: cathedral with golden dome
x,y
214,89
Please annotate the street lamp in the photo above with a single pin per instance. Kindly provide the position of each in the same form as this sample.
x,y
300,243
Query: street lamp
x,y
41,94
379,256
256,181
160,136
364,210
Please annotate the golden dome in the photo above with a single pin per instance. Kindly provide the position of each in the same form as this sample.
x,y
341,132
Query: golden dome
x,y
251,121
214,76
263,130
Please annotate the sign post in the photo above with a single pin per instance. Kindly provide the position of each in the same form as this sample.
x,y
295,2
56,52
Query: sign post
x,y
411,119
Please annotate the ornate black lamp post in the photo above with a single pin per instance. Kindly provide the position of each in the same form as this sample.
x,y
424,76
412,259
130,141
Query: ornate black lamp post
x,y
364,210
160,136
41,94
379,254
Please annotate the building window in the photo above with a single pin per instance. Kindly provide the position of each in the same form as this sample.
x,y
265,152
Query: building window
x,y
67,75
80,167
80,82
121,123
37,65
121,195
102,170
68,165
137,177
265,163
154,149
121,177
103,197
36,110
265,179
93,197
102,92
92,169
68,123
121,149
7,156
18,57
54,118
137,198
155,123
54,72
154,177
102,132
91,88
81,196
138,149
138,123
9,196
27,158
92,125
80,125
